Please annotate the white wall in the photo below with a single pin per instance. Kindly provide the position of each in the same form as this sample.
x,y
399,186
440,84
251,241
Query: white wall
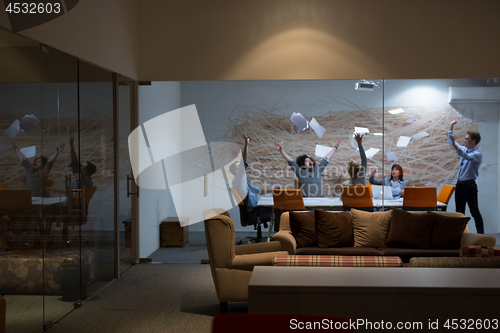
x,y
155,205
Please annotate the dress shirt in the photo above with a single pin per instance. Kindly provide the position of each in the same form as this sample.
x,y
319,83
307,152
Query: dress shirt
x,y
470,159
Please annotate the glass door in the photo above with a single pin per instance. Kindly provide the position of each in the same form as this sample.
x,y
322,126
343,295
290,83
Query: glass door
x,y
59,124
128,191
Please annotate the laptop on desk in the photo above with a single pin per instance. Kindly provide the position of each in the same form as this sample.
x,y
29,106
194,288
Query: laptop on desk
x,y
382,192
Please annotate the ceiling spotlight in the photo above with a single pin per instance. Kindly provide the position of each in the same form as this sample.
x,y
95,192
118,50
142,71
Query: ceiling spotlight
x,y
367,85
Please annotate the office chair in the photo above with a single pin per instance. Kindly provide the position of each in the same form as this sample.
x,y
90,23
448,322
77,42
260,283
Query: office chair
x,y
284,199
444,196
420,198
250,216
359,197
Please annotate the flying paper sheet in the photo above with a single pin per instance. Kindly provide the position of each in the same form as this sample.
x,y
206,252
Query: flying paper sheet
x,y
379,134
403,141
361,130
420,135
391,156
354,144
396,111
2,142
412,119
29,152
321,151
13,129
320,130
28,122
371,152
299,121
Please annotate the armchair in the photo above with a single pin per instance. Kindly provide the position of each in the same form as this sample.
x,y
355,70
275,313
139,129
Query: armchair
x,y
232,265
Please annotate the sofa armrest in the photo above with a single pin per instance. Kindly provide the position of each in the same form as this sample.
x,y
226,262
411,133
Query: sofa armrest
x,y
257,248
469,238
287,241
248,261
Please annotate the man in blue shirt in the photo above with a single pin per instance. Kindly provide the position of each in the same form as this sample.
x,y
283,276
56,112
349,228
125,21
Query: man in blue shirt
x,y
470,159
252,200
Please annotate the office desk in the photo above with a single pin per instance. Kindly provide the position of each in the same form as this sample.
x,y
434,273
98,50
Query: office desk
x,y
46,201
335,203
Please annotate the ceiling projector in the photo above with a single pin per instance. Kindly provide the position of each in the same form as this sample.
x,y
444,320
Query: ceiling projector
x,y
365,85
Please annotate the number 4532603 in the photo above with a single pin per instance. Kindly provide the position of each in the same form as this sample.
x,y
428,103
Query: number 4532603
x,y
33,8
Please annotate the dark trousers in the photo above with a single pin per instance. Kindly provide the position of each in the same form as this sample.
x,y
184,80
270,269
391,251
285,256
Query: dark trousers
x,y
466,193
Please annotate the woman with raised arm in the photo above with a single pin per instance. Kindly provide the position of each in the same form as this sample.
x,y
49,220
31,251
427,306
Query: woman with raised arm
x,y
306,170
396,181
357,173
38,171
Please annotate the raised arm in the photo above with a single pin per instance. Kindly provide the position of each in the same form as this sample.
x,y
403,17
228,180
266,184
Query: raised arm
x,y
453,123
245,148
334,150
449,134
74,158
16,148
52,159
278,146
372,178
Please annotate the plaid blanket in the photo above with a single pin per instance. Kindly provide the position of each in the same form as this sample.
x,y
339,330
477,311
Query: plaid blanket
x,y
337,261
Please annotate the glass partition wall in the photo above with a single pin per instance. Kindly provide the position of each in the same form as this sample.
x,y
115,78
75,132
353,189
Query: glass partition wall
x,y
404,121
57,188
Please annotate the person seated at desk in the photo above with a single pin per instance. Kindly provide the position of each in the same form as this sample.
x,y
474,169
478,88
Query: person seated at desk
x,y
306,170
39,171
252,199
355,171
396,181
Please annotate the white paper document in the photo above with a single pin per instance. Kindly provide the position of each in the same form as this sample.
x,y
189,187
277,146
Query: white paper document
x,y
420,135
396,111
28,122
378,134
13,129
403,141
412,119
320,130
299,121
29,152
321,151
371,152
391,156
361,130
2,142
354,144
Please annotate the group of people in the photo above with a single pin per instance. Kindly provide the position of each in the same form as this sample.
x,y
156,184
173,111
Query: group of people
x,y
309,173
39,171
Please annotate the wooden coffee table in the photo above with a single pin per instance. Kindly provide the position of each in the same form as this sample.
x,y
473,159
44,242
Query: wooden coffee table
x,y
374,293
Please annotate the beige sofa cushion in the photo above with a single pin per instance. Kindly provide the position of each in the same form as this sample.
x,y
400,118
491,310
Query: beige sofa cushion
x,y
370,229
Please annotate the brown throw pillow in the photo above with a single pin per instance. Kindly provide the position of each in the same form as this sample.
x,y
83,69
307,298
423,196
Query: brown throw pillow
x,y
334,229
303,227
410,230
447,231
370,229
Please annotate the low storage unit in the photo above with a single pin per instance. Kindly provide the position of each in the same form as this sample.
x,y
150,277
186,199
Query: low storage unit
x,y
174,231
